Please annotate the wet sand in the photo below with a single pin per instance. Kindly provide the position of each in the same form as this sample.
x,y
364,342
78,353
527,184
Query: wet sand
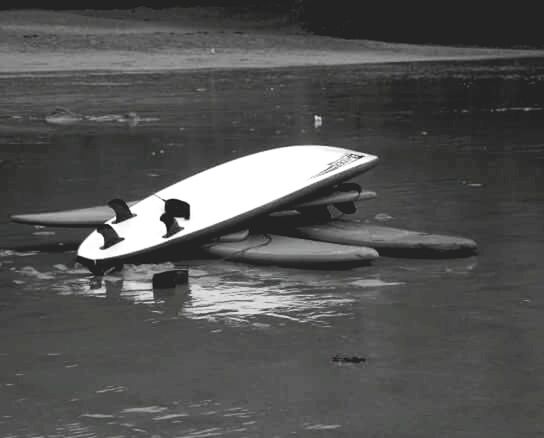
x,y
144,39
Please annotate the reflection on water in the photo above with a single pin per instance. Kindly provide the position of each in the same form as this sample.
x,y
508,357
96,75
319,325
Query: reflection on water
x,y
452,345
217,291
190,420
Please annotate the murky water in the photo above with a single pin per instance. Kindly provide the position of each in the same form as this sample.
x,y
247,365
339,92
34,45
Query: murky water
x,y
453,347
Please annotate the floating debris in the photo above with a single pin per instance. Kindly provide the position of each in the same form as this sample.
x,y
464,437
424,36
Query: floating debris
x,y
170,279
63,116
322,426
471,184
383,217
318,121
348,359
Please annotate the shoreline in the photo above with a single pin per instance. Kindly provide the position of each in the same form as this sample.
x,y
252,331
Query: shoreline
x,y
194,39
60,71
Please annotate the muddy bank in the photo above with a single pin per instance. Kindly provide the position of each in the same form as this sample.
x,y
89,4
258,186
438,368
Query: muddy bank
x,y
144,39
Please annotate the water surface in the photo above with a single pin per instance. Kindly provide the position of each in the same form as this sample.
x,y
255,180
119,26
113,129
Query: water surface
x,y
453,347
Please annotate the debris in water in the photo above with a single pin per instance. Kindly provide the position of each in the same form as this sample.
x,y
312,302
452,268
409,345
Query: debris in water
x,y
63,116
348,359
170,279
382,217
318,121
470,184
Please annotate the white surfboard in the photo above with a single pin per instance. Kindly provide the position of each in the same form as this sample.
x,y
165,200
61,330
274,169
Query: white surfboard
x,y
220,198
91,217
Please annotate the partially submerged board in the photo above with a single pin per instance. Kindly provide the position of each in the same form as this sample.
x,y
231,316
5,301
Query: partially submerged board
x,y
388,241
220,198
290,251
91,217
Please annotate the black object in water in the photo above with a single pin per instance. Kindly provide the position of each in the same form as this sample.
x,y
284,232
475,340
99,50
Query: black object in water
x,y
170,279
348,359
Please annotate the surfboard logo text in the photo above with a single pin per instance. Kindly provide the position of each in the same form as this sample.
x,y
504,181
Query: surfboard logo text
x,y
342,161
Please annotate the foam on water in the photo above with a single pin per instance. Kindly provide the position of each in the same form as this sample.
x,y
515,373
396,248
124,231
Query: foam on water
x,y
144,410
10,253
64,116
322,426
374,282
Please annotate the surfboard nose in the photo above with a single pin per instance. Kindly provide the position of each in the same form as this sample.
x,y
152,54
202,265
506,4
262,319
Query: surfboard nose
x,y
372,158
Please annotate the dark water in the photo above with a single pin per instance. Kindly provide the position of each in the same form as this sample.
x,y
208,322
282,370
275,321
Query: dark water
x,y
453,347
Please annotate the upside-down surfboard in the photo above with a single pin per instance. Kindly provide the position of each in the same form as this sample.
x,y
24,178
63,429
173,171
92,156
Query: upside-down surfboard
x,y
219,198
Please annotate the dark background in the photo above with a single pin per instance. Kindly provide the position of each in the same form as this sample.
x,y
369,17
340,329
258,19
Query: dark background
x,y
464,23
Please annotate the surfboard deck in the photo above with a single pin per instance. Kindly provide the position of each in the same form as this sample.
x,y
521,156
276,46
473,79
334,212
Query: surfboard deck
x,y
279,250
388,241
220,198
91,217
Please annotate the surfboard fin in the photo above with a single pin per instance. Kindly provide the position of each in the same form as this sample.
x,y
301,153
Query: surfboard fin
x,y
346,207
109,234
172,226
121,209
348,187
318,213
177,208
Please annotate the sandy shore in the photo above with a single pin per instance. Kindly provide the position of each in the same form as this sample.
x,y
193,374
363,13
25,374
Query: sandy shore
x,y
191,38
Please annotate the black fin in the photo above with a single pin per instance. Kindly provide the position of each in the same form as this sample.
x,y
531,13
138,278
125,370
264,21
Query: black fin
x,y
110,235
319,213
121,209
177,208
346,207
349,186
172,226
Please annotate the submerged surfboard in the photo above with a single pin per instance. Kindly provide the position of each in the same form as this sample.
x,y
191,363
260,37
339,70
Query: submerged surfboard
x,y
219,198
290,251
388,241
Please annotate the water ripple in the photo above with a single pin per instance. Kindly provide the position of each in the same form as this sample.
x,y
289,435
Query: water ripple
x,y
218,292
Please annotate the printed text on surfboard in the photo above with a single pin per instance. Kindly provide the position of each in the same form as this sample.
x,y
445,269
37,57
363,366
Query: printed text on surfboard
x,y
342,161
